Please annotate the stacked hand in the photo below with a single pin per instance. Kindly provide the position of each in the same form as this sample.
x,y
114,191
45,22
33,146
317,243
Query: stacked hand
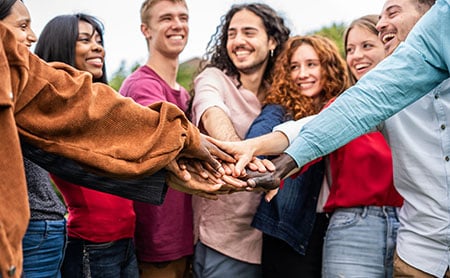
x,y
227,167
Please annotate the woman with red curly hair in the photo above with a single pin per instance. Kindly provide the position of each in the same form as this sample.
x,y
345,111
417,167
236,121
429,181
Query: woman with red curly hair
x,y
307,74
361,236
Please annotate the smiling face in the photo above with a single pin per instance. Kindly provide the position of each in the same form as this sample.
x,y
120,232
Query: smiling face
x,y
305,70
89,52
398,17
167,28
19,22
364,51
248,44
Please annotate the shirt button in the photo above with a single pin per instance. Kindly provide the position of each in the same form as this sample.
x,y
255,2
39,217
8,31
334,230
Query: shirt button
x,y
11,271
442,127
436,96
447,158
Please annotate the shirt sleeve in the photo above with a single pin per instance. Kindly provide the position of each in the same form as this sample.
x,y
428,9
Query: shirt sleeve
x,y
208,86
417,66
59,110
292,128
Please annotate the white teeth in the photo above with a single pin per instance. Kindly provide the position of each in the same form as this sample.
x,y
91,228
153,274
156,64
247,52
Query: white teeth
x,y
361,66
242,53
387,38
176,37
96,60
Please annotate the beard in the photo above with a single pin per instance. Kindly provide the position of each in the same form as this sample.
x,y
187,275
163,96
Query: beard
x,y
254,67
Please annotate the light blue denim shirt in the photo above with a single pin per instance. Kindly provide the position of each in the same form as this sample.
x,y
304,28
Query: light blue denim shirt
x,y
420,142
416,67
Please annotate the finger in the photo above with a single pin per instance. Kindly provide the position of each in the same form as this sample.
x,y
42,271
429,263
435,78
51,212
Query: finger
x,y
240,165
234,182
269,195
229,168
180,173
259,165
268,165
198,166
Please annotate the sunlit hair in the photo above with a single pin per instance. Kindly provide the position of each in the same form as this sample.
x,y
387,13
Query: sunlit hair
x,y
284,91
367,22
216,53
148,4
57,41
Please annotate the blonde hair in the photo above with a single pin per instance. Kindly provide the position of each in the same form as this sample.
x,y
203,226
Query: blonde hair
x,y
148,4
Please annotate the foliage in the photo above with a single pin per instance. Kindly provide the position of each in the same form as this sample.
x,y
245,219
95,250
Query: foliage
x,y
120,75
334,32
187,70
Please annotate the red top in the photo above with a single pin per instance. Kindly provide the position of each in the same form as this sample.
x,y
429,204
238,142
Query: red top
x,y
94,215
362,174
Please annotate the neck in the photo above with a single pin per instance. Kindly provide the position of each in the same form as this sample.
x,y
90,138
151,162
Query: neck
x,y
165,67
254,83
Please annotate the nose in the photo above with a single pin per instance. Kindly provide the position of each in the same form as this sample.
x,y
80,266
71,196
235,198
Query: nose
x,y
97,47
177,23
31,37
239,38
381,25
357,53
303,72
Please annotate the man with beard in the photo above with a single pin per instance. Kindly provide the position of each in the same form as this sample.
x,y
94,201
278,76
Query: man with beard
x,y
228,95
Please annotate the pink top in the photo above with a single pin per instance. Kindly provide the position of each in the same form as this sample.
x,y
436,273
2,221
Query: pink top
x,y
224,225
96,216
164,232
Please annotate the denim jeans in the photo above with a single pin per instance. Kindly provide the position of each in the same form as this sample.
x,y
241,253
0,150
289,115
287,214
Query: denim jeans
x,y
208,263
43,248
86,259
360,242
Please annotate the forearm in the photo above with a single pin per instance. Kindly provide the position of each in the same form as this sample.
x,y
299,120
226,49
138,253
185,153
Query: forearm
x,y
218,125
272,143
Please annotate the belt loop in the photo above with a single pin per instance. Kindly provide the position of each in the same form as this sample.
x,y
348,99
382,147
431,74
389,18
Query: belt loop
x,y
46,228
365,211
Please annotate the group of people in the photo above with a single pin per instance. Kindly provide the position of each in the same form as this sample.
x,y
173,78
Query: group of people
x,y
343,185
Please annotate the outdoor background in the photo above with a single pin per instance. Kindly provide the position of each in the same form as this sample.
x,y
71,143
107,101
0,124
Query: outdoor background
x,y
126,47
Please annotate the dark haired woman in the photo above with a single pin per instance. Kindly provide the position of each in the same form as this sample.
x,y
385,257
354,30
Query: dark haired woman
x,y
100,226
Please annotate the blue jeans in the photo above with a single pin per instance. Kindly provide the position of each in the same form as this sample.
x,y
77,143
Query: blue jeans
x,y
86,259
360,242
209,263
43,248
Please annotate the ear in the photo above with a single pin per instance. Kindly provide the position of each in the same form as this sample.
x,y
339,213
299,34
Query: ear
x,y
272,44
146,31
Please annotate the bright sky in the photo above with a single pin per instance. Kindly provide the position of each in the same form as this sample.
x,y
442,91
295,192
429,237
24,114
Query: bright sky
x,y
124,41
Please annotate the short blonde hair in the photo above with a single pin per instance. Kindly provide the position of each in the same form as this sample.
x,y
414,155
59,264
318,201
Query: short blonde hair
x,y
148,4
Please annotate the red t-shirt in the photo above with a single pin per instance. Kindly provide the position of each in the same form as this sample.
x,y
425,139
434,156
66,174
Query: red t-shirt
x,y
362,174
94,215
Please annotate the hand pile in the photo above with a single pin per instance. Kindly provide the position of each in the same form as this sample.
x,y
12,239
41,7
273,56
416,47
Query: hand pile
x,y
225,168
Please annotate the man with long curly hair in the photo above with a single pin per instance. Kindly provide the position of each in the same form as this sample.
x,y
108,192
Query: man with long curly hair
x,y
228,95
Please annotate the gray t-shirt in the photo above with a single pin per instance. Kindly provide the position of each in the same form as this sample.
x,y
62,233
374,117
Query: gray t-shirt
x,y
44,203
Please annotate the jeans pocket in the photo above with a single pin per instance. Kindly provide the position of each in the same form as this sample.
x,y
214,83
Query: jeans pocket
x,y
342,220
32,241
99,246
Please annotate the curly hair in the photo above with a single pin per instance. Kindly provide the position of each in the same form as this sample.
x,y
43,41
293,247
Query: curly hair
x,y
284,91
216,53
